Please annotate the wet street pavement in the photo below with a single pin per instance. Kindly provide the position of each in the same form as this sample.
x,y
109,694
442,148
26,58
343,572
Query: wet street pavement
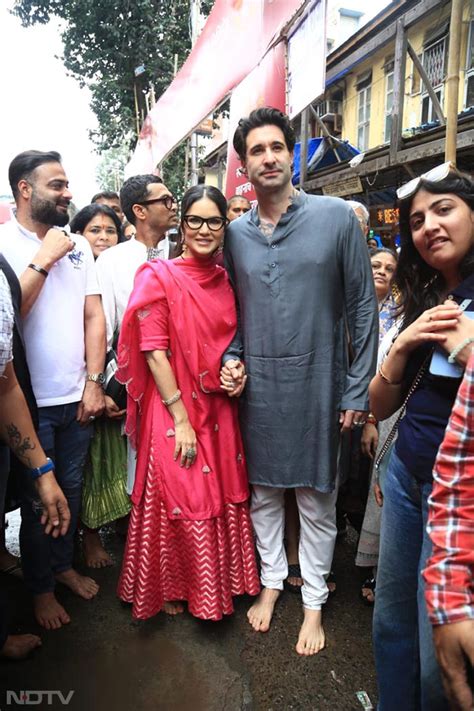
x,y
179,663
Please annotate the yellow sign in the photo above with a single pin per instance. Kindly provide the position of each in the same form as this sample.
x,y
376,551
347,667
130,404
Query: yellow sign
x,y
344,187
387,216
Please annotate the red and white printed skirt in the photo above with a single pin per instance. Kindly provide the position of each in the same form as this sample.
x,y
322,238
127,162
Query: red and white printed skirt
x,y
204,563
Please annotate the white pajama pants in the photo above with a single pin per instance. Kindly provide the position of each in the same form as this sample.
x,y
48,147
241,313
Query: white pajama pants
x,y
318,531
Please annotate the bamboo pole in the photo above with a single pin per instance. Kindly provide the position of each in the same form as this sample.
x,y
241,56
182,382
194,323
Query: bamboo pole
x,y
452,81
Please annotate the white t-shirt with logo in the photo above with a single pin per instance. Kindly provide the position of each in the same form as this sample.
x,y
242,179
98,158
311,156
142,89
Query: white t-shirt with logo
x,y
54,328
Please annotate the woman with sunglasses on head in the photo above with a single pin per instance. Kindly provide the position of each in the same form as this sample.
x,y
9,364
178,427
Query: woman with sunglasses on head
x,y
435,276
190,537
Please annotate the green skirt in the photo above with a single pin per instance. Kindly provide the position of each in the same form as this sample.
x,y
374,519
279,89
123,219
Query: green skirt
x,y
104,496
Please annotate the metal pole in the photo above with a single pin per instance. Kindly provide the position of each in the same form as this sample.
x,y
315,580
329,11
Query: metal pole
x,y
195,12
137,113
304,146
452,82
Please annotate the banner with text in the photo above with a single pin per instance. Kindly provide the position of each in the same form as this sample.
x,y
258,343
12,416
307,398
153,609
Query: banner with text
x,y
264,86
232,42
307,58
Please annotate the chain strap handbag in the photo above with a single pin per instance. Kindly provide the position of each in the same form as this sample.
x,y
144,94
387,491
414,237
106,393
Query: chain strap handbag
x,y
387,445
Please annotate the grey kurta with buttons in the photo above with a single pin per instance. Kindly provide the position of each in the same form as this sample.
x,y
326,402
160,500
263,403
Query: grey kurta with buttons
x,y
293,290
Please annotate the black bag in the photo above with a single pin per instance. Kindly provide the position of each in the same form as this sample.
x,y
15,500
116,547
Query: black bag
x,y
112,387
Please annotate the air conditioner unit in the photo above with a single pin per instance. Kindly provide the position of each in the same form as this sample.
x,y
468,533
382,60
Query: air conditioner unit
x,y
329,106
333,122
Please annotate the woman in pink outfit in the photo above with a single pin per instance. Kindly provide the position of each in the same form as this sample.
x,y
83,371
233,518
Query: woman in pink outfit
x,y
190,537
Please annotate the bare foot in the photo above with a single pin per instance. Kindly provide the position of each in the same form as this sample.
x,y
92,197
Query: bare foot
x,y
95,554
79,584
311,638
48,612
261,613
172,608
19,646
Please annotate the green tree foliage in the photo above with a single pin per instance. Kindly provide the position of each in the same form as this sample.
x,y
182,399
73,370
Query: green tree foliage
x,y
111,167
105,40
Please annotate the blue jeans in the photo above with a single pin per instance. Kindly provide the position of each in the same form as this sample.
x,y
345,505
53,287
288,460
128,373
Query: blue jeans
x,y
67,443
407,671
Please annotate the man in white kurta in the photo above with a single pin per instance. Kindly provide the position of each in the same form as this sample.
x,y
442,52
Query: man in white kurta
x,y
150,207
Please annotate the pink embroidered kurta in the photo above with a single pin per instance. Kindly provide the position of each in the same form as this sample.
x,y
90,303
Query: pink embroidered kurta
x,y
190,531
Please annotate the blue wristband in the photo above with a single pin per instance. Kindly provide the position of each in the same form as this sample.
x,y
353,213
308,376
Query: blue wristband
x,y
39,471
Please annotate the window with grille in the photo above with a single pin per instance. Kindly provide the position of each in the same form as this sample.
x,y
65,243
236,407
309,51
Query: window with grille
x,y
469,100
434,63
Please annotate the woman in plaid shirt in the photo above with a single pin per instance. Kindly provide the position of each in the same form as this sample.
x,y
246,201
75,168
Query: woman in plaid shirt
x,y
449,575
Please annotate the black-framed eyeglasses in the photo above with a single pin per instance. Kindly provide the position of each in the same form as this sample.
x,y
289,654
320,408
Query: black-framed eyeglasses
x,y
167,200
194,222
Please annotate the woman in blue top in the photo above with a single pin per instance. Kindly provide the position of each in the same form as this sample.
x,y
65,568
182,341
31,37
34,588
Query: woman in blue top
x,y
435,275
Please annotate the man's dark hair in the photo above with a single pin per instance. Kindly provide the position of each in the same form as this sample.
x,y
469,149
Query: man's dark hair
x,y
24,164
81,220
135,190
105,195
266,116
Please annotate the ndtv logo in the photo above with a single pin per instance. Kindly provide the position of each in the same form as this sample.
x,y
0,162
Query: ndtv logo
x,y
35,698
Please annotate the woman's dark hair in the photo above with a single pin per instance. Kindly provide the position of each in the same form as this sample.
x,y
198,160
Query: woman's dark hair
x,y
266,116
422,287
197,192
84,216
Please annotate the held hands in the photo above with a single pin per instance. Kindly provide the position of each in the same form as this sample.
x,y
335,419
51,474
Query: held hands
x,y
56,515
233,378
92,404
186,443
55,245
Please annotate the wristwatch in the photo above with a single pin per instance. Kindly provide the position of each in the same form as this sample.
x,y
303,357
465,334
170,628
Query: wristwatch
x,y
39,471
96,378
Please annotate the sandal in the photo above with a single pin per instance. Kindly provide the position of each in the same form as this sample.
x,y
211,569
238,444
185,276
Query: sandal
x,y
294,571
369,585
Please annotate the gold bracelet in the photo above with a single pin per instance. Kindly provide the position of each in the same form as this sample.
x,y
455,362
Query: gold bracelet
x,y
387,380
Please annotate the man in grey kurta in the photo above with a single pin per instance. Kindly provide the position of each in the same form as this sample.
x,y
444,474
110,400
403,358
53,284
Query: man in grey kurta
x,y
302,277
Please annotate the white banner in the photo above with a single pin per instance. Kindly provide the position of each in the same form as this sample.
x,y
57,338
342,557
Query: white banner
x,y
307,59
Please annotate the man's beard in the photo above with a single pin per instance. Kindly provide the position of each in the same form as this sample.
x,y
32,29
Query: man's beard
x,y
45,212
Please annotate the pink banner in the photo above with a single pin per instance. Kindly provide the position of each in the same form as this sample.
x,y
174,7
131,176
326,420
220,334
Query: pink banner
x,y
264,86
234,39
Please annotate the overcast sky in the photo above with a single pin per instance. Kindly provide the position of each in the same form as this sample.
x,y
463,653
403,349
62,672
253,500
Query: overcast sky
x,y
41,107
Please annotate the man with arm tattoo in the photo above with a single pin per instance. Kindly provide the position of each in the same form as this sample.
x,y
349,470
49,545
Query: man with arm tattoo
x,y
17,430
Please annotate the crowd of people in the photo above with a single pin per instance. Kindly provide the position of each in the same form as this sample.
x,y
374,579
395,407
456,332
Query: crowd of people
x,y
218,381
